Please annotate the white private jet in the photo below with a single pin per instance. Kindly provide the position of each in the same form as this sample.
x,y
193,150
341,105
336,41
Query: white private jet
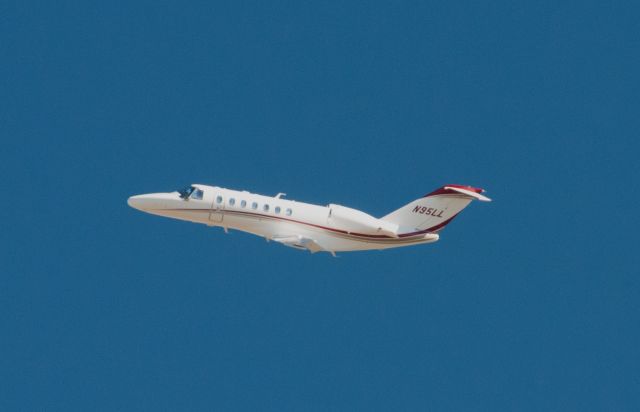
x,y
332,228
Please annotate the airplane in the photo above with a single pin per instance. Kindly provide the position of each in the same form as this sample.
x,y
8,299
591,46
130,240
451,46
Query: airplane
x,y
332,228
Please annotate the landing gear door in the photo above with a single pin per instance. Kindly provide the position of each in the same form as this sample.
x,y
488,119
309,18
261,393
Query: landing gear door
x,y
217,208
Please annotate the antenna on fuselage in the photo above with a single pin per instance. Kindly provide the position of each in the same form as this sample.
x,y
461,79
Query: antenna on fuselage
x,y
279,195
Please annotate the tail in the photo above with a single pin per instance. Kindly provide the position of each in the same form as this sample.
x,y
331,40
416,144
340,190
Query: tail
x,y
435,210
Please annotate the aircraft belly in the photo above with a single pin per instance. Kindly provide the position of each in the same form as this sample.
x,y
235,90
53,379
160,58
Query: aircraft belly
x,y
335,241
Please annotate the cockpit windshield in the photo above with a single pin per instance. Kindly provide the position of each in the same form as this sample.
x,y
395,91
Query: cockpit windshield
x,y
186,192
191,192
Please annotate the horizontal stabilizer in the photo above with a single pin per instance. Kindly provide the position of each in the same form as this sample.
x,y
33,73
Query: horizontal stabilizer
x,y
468,193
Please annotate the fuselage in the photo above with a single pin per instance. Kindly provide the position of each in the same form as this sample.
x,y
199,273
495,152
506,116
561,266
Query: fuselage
x,y
336,228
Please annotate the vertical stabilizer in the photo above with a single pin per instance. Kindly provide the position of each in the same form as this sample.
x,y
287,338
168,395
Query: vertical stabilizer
x,y
435,210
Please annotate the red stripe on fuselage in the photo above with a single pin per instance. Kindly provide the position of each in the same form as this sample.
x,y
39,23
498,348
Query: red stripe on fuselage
x,y
362,235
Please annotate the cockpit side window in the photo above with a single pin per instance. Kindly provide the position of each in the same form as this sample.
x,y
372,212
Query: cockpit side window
x,y
197,194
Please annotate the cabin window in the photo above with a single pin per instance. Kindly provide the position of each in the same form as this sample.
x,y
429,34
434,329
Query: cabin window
x,y
197,194
219,199
277,210
265,208
289,212
254,205
243,203
232,201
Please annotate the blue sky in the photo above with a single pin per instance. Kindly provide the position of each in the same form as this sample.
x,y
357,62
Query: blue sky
x,y
526,303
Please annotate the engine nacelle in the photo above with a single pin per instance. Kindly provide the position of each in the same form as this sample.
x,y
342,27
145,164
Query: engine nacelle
x,y
356,221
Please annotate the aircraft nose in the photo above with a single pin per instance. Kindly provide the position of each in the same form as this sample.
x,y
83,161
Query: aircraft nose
x,y
145,202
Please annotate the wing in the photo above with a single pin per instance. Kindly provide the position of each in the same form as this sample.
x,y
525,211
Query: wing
x,y
302,242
